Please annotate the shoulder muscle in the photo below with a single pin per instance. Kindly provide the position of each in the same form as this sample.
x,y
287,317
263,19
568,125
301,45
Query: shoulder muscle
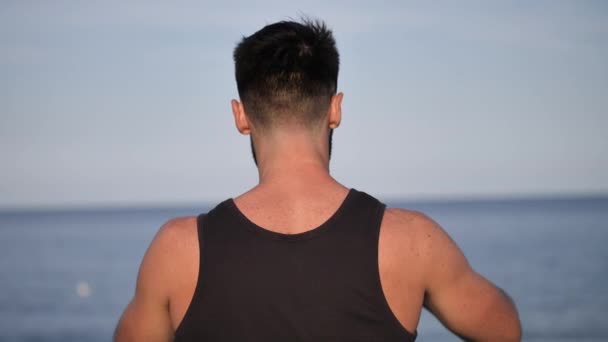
x,y
147,315
463,300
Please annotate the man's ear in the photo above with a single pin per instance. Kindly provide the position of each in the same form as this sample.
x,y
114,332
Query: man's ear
x,y
240,118
335,111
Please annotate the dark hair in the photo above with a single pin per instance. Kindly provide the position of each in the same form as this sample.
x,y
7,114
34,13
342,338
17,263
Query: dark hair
x,y
287,72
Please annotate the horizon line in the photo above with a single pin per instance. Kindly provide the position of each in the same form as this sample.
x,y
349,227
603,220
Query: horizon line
x,y
428,199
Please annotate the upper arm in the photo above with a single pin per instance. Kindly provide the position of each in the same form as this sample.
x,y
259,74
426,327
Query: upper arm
x,y
146,317
464,301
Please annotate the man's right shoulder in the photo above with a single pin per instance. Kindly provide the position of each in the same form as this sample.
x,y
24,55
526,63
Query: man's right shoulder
x,y
413,237
464,301
408,224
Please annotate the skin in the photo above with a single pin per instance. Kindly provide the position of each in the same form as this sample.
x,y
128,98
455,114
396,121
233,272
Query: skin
x,y
420,265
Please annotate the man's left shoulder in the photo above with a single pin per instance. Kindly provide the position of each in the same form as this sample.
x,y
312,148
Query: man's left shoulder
x,y
177,229
175,239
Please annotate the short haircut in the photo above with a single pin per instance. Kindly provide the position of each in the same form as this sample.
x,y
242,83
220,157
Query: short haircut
x,y
287,72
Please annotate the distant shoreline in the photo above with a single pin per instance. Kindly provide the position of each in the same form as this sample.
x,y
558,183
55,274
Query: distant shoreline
x,y
391,201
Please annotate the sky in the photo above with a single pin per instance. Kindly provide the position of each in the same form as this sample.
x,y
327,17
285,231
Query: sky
x,y
113,103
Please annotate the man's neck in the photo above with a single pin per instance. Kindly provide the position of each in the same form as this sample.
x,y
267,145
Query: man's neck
x,y
291,157
294,175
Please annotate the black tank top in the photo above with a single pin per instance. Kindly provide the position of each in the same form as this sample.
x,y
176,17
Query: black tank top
x,y
320,285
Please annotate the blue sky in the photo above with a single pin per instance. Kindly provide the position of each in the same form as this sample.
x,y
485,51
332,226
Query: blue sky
x,y
116,103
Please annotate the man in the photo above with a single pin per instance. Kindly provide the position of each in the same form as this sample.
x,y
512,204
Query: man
x,y
301,257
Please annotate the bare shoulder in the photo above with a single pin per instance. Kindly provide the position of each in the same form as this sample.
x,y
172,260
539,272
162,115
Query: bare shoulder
x,y
407,218
176,240
177,232
411,225
403,260
147,316
171,262
175,243
416,236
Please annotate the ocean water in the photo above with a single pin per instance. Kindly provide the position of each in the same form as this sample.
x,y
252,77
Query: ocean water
x,y
67,275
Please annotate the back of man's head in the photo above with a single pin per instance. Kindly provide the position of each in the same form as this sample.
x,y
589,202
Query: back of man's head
x,y
286,73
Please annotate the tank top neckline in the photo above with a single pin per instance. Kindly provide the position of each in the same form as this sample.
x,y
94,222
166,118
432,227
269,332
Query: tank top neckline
x,y
252,226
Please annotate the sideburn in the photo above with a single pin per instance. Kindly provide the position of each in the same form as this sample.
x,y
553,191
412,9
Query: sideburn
x,y
255,160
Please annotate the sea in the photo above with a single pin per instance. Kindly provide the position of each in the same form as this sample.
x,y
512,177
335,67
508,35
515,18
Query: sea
x,y
66,275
